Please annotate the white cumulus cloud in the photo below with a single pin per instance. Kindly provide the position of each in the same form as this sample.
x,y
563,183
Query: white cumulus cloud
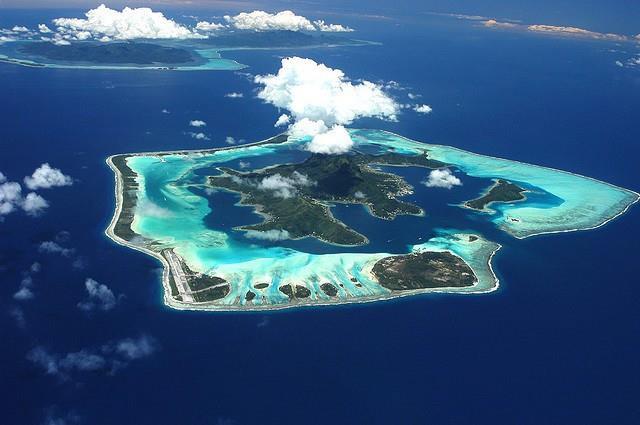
x,y
283,119
442,178
10,196
44,29
197,123
311,90
324,27
51,247
199,136
284,187
45,177
99,297
318,97
307,127
234,95
259,20
423,109
127,24
334,141
11,199
34,204
209,26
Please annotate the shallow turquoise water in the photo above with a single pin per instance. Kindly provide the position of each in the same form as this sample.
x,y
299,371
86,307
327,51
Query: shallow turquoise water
x,y
173,211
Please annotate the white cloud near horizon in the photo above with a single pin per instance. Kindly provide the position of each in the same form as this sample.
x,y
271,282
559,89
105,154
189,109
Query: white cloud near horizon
x,y
105,24
324,27
209,26
285,20
442,178
319,98
128,24
259,20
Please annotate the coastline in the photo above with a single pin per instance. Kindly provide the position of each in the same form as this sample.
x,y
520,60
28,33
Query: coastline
x,y
171,302
607,220
202,67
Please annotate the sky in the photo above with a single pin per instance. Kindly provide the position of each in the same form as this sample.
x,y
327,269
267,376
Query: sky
x,y
602,15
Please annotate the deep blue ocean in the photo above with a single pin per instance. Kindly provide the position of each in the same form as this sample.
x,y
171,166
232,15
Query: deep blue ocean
x,y
557,343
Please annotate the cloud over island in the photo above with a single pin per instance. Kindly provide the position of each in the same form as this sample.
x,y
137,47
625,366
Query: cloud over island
x,y
322,100
105,24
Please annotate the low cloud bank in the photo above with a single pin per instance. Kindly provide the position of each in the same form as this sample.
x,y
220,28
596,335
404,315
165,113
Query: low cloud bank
x,y
259,20
105,24
108,24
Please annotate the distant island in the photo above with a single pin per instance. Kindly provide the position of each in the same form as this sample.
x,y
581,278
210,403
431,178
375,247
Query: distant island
x,y
183,55
168,206
109,53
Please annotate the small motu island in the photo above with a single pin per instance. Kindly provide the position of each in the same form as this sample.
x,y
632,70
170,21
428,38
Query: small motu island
x,y
271,225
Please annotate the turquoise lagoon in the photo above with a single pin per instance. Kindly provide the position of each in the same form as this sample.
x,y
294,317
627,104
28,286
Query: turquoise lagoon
x,y
176,210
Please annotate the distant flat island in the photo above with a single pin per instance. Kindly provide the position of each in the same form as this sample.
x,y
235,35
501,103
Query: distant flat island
x,y
291,231
109,53
181,55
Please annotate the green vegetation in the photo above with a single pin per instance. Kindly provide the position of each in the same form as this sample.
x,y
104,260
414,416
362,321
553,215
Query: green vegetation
x,y
501,191
297,291
110,53
211,294
295,197
423,270
329,289
275,39
249,296
129,189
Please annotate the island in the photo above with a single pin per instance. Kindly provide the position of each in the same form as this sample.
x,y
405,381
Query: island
x,y
303,229
423,270
109,53
295,198
501,191
194,54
